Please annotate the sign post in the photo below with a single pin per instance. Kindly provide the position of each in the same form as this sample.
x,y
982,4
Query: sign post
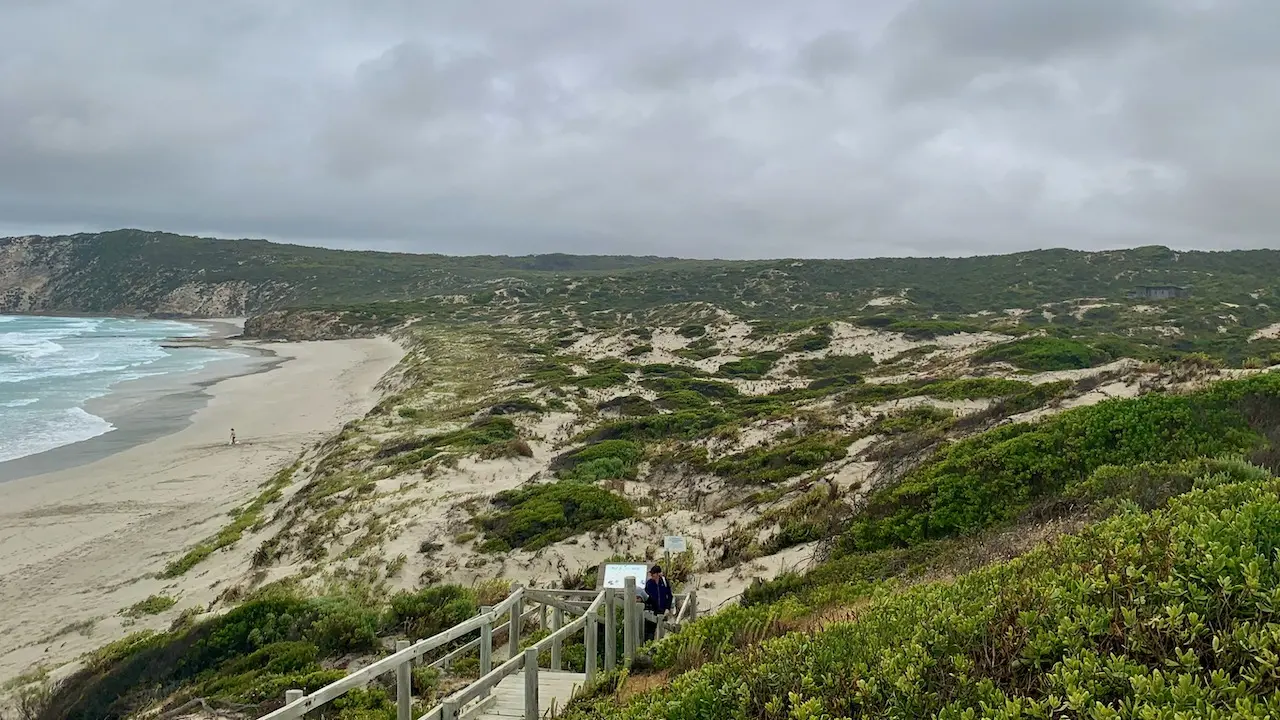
x,y
672,544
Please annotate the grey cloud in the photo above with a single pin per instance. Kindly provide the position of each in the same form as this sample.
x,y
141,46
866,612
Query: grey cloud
x,y
710,128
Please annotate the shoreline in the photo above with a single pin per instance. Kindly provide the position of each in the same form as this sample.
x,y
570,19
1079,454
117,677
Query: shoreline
x,y
149,408
86,528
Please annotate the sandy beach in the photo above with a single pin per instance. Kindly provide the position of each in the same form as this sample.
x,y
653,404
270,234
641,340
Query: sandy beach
x,y
80,543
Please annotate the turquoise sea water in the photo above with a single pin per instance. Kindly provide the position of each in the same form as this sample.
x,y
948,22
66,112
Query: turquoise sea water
x,y
50,367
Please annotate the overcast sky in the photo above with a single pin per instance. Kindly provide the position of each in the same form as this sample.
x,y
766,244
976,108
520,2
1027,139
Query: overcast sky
x,y
705,128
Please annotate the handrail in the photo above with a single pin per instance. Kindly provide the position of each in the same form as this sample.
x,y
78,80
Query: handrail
x,y
506,604
554,602
500,673
297,705
474,644
361,677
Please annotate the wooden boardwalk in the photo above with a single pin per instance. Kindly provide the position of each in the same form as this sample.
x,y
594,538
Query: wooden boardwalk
x,y
500,691
506,701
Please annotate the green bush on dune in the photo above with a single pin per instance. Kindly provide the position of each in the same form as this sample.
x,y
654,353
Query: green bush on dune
x,y
982,480
1044,353
1169,613
536,516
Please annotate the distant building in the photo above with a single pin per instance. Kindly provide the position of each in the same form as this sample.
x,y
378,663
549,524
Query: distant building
x,y
1160,292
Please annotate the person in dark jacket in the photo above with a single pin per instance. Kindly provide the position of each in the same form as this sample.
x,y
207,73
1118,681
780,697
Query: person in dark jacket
x,y
659,599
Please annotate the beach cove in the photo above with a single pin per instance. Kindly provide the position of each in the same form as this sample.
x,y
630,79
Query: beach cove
x,y
85,528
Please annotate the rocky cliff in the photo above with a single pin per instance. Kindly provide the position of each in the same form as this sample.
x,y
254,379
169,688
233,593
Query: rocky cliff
x,y
86,274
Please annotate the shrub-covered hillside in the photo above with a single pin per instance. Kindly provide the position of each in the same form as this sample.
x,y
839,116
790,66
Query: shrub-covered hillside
x,y
1162,603
1168,613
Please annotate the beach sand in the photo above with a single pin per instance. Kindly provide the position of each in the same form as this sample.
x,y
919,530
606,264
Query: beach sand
x,y
83,541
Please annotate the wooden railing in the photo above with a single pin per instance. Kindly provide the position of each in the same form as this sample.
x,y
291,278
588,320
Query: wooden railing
x,y
520,610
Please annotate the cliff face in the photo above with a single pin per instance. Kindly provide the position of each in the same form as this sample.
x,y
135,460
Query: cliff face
x,y
65,274
26,268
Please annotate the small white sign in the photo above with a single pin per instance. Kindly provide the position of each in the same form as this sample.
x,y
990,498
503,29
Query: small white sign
x,y
615,575
673,543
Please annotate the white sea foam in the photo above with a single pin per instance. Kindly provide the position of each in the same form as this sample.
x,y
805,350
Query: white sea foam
x,y
67,426
20,402
49,367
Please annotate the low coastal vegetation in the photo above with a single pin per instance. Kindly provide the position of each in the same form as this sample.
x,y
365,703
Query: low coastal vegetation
x,y
277,639
1044,353
537,516
914,491
1167,612
1156,550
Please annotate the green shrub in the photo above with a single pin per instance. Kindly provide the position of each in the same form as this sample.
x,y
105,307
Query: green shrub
x,y
669,370
750,368
539,515
818,339
598,381
255,647
605,460
699,349
710,389
686,424
681,400
960,389
1043,353
783,460
691,331
986,479
429,611
639,350
1161,614
912,420
628,405
917,329
344,625
974,388
834,365
153,605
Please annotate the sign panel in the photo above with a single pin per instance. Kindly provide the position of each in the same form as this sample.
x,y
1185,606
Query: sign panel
x,y
673,543
614,575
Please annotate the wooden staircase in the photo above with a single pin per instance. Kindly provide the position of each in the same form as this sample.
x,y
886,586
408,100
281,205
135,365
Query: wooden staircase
x,y
517,686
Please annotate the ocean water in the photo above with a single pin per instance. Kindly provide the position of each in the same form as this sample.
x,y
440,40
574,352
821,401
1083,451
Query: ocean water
x,y
50,367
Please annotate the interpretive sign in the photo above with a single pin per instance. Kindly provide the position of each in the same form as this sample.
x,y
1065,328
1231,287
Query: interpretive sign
x,y
673,544
614,575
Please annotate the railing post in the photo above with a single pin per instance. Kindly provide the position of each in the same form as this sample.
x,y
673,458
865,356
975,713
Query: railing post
x,y
449,710
513,629
610,631
291,696
589,642
486,642
661,627
557,622
639,628
542,617
404,685
629,620
531,684
692,602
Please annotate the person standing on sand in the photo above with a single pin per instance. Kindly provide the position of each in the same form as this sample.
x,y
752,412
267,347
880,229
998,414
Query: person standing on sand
x,y
233,436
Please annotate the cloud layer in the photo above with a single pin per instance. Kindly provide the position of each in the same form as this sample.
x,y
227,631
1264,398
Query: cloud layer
x,y
729,128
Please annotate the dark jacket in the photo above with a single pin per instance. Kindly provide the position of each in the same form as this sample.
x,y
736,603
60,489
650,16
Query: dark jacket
x,y
659,594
